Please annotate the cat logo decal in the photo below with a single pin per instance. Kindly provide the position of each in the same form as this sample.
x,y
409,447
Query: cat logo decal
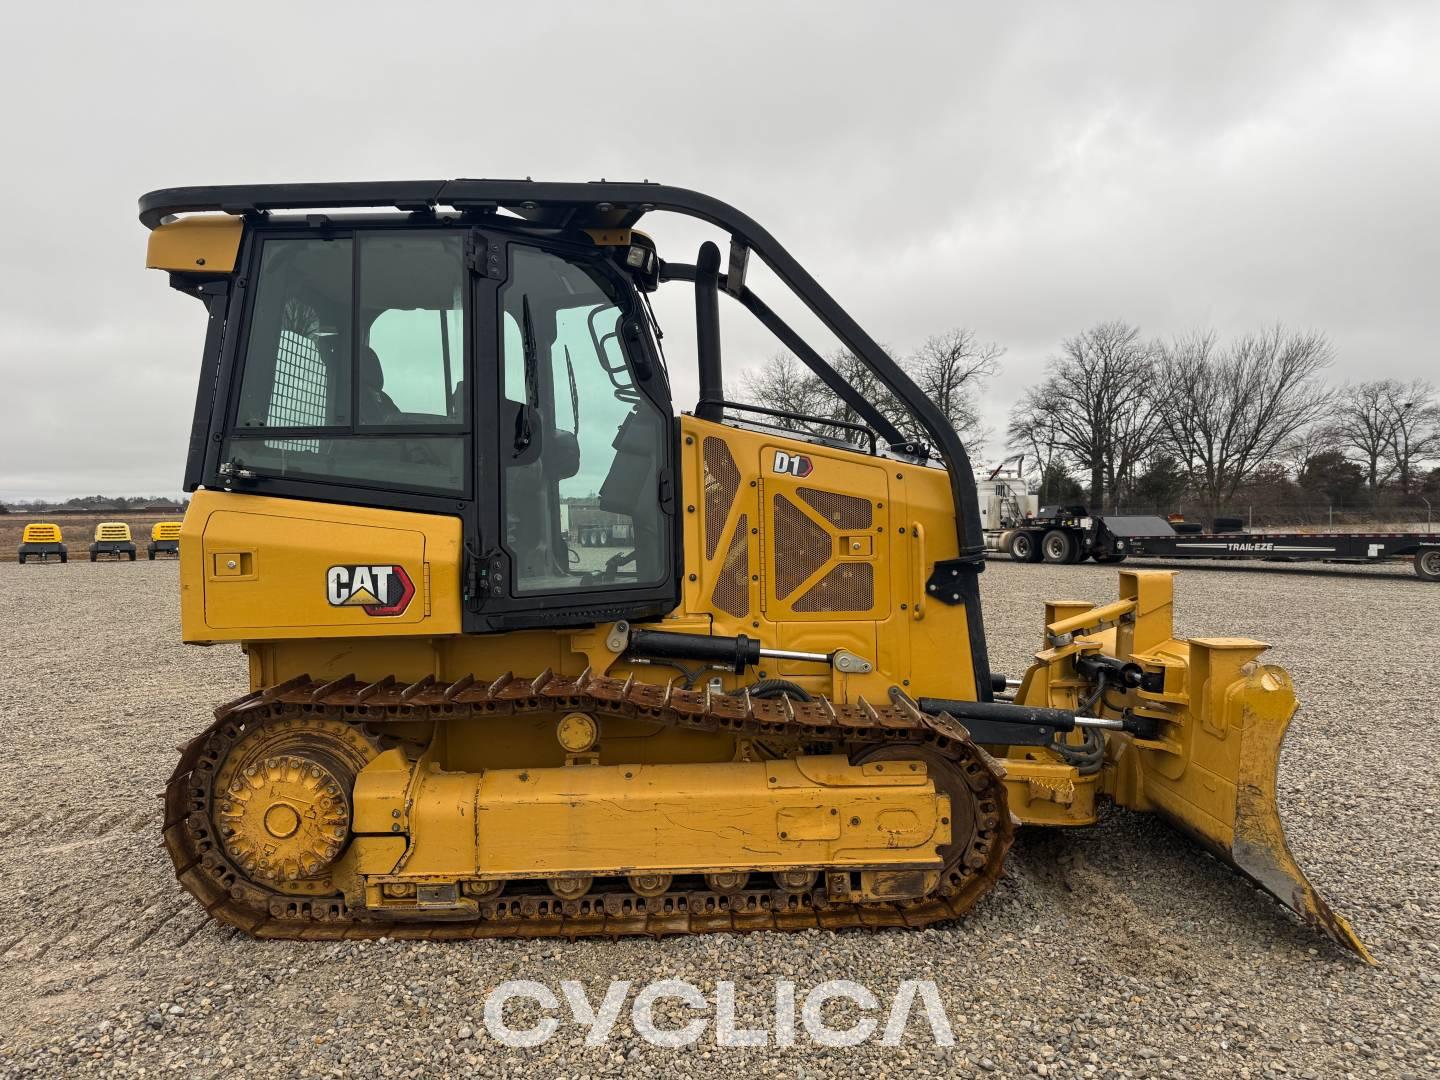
x,y
376,590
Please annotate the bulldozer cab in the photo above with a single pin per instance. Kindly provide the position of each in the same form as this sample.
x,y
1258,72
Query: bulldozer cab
x,y
485,350
394,373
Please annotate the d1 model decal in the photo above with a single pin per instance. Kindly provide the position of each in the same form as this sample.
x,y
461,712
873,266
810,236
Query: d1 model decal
x,y
376,590
794,464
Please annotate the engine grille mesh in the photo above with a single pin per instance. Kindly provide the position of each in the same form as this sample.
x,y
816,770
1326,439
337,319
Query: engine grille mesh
x,y
732,585
843,511
722,481
847,587
801,547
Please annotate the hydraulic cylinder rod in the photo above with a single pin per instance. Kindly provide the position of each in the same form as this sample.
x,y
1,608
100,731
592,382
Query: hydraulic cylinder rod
x,y
736,653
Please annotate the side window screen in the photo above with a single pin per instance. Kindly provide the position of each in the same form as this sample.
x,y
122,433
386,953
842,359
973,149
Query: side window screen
x,y
350,393
300,382
297,362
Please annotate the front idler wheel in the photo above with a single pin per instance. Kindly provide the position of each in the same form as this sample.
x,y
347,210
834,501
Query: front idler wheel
x,y
979,819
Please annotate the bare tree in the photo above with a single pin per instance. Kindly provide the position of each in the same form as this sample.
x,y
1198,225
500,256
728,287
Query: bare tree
x,y
784,383
1363,425
1226,412
1414,414
948,368
1321,437
1031,431
1097,404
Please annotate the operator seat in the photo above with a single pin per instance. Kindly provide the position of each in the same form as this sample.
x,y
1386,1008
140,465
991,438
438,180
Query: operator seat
x,y
376,406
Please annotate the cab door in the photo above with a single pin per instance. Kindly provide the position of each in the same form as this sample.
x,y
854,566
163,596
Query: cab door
x,y
577,443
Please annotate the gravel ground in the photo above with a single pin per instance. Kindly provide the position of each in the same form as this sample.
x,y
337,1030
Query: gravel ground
x,y
1118,950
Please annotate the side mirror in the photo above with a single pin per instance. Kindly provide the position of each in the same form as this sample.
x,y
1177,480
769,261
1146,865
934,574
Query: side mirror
x,y
562,460
639,358
527,426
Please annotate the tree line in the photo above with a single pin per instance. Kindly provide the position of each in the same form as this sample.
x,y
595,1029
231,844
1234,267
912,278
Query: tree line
x,y
95,502
1122,420
1148,422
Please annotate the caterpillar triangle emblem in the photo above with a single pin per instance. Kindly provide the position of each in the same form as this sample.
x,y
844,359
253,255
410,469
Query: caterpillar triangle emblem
x,y
379,590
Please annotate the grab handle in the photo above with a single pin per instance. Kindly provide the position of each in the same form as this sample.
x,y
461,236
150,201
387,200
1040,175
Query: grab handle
x,y
918,531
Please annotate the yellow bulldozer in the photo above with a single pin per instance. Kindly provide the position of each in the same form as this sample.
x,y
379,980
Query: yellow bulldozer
x,y
758,697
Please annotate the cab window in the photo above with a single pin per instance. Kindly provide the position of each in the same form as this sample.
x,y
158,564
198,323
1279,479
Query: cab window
x,y
354,363
580,445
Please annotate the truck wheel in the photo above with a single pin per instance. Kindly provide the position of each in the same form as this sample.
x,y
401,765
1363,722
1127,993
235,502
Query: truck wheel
x,y
132,556
21,559
151,555
1110,560
92,556
1023,548
1058,546
1427,564
64,556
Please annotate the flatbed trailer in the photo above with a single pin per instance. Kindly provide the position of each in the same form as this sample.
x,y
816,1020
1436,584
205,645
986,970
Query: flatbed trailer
x,y
1068,534
1423,549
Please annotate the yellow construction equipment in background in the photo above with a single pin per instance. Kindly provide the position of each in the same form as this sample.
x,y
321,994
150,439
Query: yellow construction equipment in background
x,y
41,540
529,655
112,538
164,539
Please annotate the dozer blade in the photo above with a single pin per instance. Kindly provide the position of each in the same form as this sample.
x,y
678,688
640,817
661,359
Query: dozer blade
x,y
1213,771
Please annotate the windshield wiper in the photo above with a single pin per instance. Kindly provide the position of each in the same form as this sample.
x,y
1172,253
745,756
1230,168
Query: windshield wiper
x,y
523,432
574,390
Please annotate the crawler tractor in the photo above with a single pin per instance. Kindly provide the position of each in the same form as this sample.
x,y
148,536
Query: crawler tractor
x,y
764,702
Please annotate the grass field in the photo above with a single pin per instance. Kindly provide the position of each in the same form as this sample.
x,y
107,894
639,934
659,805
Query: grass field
x,y
77,529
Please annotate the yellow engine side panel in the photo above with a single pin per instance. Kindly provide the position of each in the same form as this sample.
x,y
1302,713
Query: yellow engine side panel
x,y
815,547
112,530
165,530
254,568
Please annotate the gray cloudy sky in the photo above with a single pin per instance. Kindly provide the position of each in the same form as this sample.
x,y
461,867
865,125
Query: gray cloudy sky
x,y
1024,170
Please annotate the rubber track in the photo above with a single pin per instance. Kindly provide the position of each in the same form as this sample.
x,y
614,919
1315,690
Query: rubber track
x,y
203,869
